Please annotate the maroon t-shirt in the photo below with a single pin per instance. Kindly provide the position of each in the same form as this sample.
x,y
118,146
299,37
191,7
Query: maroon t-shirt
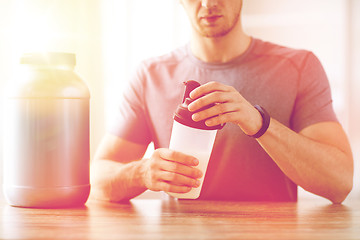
x,y
290,84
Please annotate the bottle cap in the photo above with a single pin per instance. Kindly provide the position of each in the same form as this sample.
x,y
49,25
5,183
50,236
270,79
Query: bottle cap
x,y
183,115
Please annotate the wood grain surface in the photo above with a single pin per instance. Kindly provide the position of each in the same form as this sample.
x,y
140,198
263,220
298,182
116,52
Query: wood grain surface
x,y
185,219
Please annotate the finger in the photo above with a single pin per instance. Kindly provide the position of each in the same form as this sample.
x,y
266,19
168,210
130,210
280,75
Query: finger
x,y
222,118
211,98
179,179
168,187
250,128
178,168
218,109
208,88
214,98
175,156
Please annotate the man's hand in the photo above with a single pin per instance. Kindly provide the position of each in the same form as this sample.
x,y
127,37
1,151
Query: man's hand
x,y
171,171
230,106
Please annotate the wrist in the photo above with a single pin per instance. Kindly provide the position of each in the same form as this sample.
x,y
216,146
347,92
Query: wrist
x,y
140,175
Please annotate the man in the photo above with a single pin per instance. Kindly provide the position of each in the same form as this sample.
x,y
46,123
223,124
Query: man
x,y
303,145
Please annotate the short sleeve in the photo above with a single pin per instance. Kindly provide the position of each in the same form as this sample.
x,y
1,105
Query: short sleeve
x,y
130,121
313,102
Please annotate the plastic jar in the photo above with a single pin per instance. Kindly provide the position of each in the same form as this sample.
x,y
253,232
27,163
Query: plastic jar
x,y
46,128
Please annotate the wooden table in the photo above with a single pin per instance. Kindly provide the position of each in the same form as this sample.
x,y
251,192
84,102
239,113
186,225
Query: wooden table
x,y
172,219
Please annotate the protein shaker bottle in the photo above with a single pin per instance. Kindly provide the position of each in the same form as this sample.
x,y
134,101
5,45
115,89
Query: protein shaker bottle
x,y
192,138
46,145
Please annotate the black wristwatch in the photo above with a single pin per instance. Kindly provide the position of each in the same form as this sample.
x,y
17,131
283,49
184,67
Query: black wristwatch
x,y
265,122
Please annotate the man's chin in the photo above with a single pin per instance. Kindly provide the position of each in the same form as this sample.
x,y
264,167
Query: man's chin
x,y
214,34
213,31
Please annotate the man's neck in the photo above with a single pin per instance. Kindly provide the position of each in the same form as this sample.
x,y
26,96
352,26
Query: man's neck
x,y
221,49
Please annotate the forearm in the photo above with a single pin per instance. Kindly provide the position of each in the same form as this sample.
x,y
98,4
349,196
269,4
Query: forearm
x,y
319,168
115,181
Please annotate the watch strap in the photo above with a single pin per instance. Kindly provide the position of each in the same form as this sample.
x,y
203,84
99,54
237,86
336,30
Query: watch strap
x,y
265,122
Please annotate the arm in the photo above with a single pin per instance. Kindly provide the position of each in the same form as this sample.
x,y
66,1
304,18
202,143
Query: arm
x,y
319,158
119,172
